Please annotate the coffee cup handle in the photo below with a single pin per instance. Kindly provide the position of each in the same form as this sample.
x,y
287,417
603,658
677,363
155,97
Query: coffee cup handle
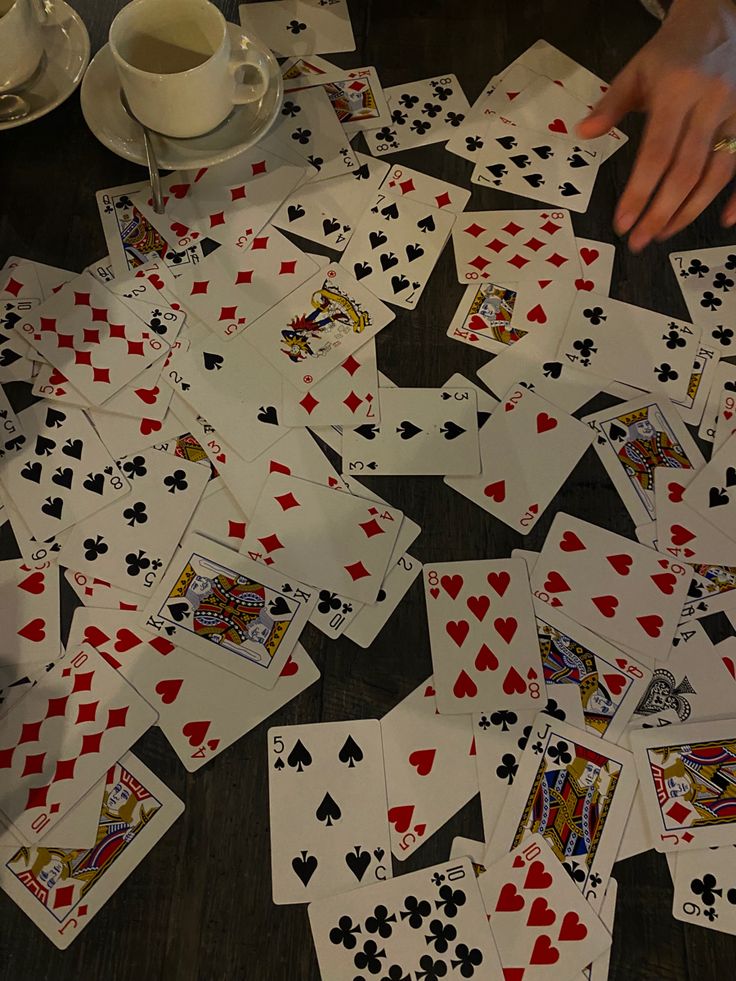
x,y
245,92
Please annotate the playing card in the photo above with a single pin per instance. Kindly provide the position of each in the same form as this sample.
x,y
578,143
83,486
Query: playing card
x,y
710,492
77,829
61,889
725,423
542,926
704,888
403,182
370,619
474,850
430,768
575,790
617,588
706,278
347,395
356,96
64,475
545,59
396,246
218,517
301,73
632,440
682,532
596,260
32,550
685,773
528,450
520,245
335,770
692,408
98,594
43,279
229,610
295,520
427,924
29,606
423,112
317,327
421,431
482,634
300,27
89,716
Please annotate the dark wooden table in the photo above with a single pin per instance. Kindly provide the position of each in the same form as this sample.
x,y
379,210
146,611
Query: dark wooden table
x,y
199,907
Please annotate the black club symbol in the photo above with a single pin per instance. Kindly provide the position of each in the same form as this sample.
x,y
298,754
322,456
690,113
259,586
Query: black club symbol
x,y
398,118
672,340
348,607
290,109
706,889
731,896
136,515
553,710
450,900
438,878
395,973
380,922
724,335
710,301
595,880
328,601
369,957
441,935
595,315
385,135
573,869
730,262
135,467
710,914
473,143
722,282
431,970
136,562
415,911
431,110
408,101
586,347
560,753
420,126
484,722
156,324
697,268
538,747
94,548
442,93
177,481
508,768
343,935
123,202
296,26
302,136
524,738
467,959
504,719
455,118
316,162
665,372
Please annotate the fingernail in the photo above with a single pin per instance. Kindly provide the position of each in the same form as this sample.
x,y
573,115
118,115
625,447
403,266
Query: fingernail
x,y
623,222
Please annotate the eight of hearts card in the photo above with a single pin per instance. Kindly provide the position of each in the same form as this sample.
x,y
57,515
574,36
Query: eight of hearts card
x,y
687,778
62,889
230,610
340,839
426,924
482,633
60,738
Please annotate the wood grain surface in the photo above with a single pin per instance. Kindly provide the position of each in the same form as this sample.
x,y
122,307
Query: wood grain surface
x,y
199,907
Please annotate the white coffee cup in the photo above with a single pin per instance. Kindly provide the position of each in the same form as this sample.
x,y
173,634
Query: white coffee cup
x,y
176,66
21,41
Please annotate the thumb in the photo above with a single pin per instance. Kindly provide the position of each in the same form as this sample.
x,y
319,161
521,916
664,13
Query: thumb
x,y
621,98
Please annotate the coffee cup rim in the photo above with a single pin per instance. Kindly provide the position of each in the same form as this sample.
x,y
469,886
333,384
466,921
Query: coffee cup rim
x,y
125,12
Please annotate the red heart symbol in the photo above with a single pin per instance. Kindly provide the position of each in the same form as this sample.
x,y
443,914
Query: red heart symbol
x,y
35,583
544,952
169,690
498,581
434,592
513,973
513,683
730,666
537,877
675,492
195,732
290,668
478,606
160,644
585,284
537,315
464,686
213,744
419,829
589,255
727,414
557,126
621,563
33,630
452,585
572,928
56,378
179,190
149,426
148,395
665,582
477,323
156,281
606,604
540,914
680,535
518,862
571,543
509,899
126,640
545,422
485,659
651,625
178,229
506,627
95,637
496,492
555,583
400,817
429,692
615,683
422,760
458,630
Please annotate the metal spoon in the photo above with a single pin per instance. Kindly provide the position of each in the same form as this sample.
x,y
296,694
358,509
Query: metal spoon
x,y
158,200
13,107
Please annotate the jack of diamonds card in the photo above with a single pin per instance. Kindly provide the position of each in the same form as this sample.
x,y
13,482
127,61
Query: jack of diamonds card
x,y
482,632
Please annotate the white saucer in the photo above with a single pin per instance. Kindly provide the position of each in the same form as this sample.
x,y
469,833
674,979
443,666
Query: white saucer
x,y
112,126
66,55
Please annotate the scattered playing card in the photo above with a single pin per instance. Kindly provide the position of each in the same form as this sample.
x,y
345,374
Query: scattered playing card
x,y
706,278
300,27
422,112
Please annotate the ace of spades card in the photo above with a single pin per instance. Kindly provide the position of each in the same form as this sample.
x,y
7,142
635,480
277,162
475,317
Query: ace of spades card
x,y
396,246
482,634
229,610
341,838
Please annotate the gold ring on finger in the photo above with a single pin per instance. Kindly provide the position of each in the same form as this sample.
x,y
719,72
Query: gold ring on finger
x,y
727,143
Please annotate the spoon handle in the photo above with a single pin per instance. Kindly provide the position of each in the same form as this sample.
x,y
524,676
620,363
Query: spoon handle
x,y
158,200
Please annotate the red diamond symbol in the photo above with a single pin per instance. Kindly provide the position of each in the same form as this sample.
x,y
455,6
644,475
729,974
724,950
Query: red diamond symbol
x,y
30,733
91,335
66,672
371,528
82,910
99,313
101,375
406,186
357,86
258,168
287,501
353,402
117,331
238,193
236,529
678,812
475,230
87,712
557,260
443,199
351,365
13,286
246,276
550,227
135,348
228,313
33,764
268,561
260,243
56,706
309,403
372,510
6,758
687,837
64,770
81,299
288,268
48,323
54,808
357,571
496,245
37,797
519,261
512,228
65,340
63,896
201,286
217,219
534,244
82,357
271,543
479,263
91,743
116,718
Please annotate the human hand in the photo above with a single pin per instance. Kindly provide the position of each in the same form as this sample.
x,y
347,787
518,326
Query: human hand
x,y
684,79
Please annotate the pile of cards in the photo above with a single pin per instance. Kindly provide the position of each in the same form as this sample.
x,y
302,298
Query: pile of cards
x,y
207,398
